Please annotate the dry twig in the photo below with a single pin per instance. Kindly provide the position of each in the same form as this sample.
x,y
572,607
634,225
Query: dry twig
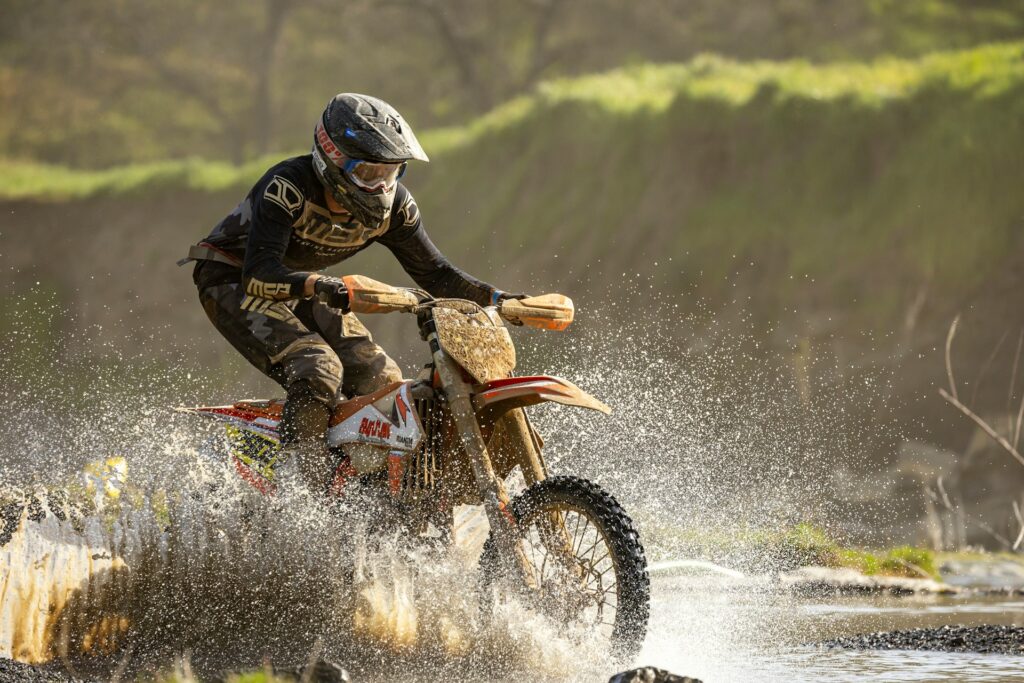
x,y
1013,371
1020,521
956,511
985,427
949,362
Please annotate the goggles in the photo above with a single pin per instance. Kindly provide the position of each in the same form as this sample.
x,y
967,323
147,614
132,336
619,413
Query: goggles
x,y
371,175
368,175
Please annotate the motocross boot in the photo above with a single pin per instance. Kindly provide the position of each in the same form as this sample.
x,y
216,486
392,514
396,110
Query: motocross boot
x,y
304,422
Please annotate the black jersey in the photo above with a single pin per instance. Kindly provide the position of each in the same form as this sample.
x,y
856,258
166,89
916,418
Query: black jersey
x,y
283,230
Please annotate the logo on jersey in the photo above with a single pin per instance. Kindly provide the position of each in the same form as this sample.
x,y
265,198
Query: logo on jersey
x,y
409,213
283,193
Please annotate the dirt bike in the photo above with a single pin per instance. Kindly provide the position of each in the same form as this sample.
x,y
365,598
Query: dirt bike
x,y
451,436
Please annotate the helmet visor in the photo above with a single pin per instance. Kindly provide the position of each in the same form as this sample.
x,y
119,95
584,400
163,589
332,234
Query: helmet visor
x,y
373,176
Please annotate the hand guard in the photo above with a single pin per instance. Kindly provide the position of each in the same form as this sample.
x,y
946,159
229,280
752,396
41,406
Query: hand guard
x,y
332,291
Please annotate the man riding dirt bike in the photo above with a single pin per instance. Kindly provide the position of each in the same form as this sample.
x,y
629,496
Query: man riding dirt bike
x,y
453,435
255,279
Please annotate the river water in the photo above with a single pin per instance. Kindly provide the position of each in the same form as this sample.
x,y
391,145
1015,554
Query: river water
x,y
231,594
700,630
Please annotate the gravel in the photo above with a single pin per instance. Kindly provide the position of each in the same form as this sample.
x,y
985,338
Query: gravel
x,y
16,672
989,639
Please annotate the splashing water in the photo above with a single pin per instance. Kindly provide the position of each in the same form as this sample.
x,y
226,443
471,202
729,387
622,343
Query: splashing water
x,y
179,556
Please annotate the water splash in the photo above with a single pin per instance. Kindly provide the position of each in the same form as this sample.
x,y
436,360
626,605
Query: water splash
x,y
707,438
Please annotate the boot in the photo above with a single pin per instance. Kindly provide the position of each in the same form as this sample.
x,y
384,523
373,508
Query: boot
x,y
304,422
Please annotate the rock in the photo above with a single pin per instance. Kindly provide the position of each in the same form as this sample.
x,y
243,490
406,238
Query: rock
x,y
987,572
829,580
650,674
988,639
323,671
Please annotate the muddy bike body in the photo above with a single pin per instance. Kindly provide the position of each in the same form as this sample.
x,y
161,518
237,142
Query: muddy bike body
x,y
451,436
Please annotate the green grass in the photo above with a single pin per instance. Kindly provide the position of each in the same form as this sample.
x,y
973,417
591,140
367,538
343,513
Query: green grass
x,y
640,90
31,180
763,550
901,561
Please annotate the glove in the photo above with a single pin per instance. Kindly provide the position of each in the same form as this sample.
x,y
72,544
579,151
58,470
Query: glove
x,y
497,296
332,291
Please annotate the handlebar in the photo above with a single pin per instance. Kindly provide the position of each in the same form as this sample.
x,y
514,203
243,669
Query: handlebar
x,y
549,311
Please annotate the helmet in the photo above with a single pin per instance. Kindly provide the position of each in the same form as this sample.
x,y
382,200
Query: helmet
x,y
360,149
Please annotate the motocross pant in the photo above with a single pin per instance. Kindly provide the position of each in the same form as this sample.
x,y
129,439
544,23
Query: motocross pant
x,y
301,341
317,353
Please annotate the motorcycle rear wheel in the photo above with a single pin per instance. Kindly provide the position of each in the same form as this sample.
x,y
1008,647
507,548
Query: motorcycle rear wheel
x,y
588,563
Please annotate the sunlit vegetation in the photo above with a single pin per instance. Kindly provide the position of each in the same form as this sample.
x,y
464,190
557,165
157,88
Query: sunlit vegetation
x,y
104,83
801,545
981,74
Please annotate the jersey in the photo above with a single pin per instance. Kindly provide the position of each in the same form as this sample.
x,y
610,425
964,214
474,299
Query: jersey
x,y
283,231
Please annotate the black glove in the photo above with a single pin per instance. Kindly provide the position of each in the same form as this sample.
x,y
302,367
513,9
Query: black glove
x,y
332,291
498,296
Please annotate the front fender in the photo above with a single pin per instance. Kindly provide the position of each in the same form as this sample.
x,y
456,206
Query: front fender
x,y
501,395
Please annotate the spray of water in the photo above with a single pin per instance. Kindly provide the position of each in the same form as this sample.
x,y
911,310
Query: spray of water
x,y
178,556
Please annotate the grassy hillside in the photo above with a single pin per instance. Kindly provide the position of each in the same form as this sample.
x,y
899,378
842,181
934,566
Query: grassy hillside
x,y
912,162
866,196
644,90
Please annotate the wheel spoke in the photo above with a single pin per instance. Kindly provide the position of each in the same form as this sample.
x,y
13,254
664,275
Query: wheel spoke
x,y
574,560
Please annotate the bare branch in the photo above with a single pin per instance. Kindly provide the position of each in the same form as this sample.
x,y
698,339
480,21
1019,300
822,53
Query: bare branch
x,y
1020,522
945,496
958,511
914,310
985,367
949,363
1013,372
1020,417
992,532
996,436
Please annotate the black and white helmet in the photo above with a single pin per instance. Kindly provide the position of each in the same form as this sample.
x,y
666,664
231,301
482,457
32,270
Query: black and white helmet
x,y
360,149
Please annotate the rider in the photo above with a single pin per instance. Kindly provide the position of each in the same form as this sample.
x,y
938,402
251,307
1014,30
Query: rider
x,y
256,279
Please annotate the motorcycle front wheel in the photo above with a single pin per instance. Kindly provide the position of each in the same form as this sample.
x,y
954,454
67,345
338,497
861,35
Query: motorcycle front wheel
x,y
587,565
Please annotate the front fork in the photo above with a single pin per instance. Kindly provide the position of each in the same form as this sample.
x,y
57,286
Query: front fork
x,y
492,490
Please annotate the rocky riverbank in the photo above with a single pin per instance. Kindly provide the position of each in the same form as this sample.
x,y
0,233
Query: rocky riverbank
x,y
832,581
1003,640
16,672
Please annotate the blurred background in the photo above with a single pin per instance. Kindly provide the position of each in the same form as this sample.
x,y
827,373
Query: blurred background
x,y
817,188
